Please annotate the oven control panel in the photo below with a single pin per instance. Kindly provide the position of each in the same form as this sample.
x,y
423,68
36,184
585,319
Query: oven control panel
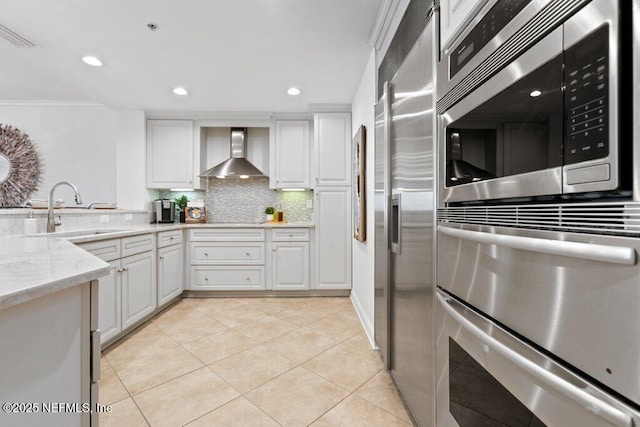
x,y
586,96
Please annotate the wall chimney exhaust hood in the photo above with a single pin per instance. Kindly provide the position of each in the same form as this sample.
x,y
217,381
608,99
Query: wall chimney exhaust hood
x,y
236,166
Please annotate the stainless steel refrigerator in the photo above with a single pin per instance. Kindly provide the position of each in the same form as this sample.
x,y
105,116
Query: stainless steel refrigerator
x,y
404,224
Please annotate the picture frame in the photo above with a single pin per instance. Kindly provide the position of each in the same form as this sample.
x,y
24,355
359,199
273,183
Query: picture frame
x,y
358,183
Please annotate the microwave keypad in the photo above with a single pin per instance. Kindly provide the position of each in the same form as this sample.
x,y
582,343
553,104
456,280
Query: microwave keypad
x,y
586,95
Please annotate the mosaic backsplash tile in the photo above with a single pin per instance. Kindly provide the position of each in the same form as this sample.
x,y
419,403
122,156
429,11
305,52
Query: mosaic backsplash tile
x,y
244,201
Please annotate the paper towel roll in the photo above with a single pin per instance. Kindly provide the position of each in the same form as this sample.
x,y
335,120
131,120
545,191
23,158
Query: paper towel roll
x,y
30,226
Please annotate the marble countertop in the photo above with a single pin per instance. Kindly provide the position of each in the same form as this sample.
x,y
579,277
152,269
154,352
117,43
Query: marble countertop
x,y
34,266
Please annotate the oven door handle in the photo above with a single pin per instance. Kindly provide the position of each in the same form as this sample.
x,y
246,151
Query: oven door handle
x,y
591,403
593,252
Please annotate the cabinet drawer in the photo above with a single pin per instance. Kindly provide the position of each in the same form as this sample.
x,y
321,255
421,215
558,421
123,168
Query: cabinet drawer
x,y
138,244
227,235
166,238
227,278
290,235
106,250
228,253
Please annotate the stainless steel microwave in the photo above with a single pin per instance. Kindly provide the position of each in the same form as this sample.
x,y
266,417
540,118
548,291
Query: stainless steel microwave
x,y
540,113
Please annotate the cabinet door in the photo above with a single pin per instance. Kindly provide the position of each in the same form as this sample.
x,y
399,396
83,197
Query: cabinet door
x,y
454,15
333,238
290,155
332,148
138,287
170,154
170,273
109,308
290,265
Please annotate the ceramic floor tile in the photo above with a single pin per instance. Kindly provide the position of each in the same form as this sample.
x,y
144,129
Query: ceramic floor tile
x,y
149,371
191,327
185,398
338,327
357,412
237,413
123,413
238,316
219,346
359,342
210,306
252,368
330,305
297,397
345,367
111,389
301,315
381,391
266,328
275,305
300,345
145,341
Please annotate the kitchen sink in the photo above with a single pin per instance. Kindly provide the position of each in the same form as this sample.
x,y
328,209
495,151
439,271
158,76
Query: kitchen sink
x,y
90,232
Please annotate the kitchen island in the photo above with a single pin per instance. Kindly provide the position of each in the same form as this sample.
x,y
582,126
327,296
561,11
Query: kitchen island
x,y
48,319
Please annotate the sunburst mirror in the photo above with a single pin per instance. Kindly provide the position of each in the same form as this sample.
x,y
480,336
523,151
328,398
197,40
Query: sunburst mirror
x,y
19,166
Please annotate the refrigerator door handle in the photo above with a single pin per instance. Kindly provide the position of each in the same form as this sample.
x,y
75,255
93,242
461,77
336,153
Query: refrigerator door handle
x,y
396,223
589,251
594,405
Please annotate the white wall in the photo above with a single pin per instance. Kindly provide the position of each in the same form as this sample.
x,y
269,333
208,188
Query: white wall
x,y
75,142
362,111
131,161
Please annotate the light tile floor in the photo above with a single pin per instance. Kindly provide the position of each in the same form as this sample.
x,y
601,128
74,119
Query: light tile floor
x,y
249,362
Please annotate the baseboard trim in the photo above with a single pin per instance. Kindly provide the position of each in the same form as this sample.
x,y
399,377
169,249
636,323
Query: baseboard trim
x,y
364,320
267,294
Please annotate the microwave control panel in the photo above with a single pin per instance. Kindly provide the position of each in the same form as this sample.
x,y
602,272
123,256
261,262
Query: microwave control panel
x,y
586,96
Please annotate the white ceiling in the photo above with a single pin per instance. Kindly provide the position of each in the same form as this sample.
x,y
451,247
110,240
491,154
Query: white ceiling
x,y
232,55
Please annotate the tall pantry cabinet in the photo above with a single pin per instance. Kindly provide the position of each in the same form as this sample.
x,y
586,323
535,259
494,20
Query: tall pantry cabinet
x,y
332,213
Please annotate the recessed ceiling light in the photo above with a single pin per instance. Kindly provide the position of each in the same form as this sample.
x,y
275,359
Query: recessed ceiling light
x,y
244,176
293,91
220,176
535,93
92,60
180,91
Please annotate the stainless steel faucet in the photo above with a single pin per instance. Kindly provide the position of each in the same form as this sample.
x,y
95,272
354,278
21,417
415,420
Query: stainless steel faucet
x,y
51,223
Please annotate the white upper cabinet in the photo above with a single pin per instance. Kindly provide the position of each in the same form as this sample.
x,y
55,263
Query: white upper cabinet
x,y
454,14
332,149
290,162
170,154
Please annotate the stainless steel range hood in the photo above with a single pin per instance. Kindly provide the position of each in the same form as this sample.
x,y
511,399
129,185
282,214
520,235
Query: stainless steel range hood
x,y
236,166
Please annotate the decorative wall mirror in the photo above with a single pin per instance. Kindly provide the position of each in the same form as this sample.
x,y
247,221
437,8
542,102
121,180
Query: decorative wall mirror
x,y
19,167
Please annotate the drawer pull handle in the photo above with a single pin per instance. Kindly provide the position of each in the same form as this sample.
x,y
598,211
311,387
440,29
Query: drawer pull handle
x,y
206,278
290,235
273,249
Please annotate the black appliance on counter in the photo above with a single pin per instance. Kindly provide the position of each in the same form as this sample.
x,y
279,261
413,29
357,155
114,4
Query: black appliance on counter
x,y
165,210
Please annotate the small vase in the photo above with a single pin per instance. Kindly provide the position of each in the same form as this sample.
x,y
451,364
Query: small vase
x,y
269,217
182,217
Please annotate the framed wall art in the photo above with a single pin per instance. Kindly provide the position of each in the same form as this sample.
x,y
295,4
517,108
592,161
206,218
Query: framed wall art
x,y
359,185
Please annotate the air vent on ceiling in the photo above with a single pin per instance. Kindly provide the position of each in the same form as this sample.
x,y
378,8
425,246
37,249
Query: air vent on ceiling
x,y
14,37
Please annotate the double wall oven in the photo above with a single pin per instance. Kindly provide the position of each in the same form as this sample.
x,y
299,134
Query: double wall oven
x,y
538,282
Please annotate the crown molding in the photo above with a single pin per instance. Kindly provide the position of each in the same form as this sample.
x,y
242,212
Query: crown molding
x,y
329,108
49,103
382,25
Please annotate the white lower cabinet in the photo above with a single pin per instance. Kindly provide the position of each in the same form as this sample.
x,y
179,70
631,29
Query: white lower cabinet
x,y
229,259
128,294
138,287
170,273
109,302
290,265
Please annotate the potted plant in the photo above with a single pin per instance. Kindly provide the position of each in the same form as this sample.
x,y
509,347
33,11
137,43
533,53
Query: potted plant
x,y
181,202
269,212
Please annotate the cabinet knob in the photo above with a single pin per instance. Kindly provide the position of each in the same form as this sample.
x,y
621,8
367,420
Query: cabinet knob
x,y
119,270
171,238
125,269
206,254
291,235
161,257
206,278
247,253
248,279
273,249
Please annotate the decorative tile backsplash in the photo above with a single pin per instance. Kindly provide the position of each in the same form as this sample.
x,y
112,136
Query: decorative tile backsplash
x,y
244,201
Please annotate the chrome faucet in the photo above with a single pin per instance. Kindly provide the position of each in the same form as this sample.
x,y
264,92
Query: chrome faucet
x,y
51,222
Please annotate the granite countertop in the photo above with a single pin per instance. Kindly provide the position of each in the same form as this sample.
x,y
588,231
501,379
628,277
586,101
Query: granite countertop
x,y
34,266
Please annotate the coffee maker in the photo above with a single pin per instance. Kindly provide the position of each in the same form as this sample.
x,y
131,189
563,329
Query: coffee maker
x,y
165,210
